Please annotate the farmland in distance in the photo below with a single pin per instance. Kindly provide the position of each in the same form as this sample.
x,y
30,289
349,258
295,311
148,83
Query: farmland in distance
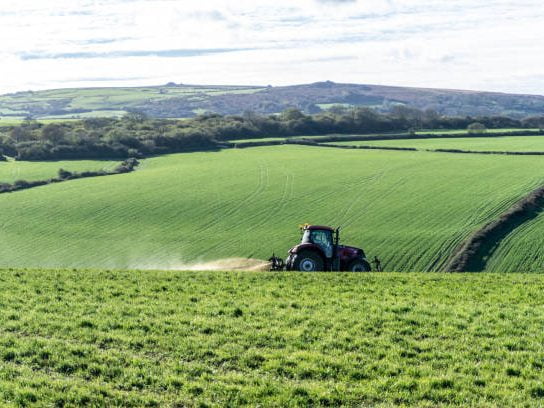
x,y
501,143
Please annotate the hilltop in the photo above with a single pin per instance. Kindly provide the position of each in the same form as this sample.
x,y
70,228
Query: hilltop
x,y
182,101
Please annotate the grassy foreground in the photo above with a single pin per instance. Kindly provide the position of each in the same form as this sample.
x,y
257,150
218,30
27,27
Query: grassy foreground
x,y
109,338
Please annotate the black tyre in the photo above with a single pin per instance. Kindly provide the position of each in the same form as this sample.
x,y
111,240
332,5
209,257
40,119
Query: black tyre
x,y
307,262
359,265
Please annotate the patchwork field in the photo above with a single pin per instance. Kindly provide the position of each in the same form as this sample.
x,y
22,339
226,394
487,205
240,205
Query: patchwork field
x,y
100,102
503,143
103,338
409,208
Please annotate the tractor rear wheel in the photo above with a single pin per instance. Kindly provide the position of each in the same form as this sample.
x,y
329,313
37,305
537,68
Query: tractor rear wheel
x,y
307,262
359,265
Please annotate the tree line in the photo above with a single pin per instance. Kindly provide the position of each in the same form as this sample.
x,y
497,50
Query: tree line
x,y
136,135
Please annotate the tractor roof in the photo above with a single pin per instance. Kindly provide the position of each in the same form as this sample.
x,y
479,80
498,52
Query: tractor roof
x,y
318,227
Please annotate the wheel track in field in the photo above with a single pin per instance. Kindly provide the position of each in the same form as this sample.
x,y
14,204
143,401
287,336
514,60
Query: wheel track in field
x,y
287,194
264,181
344,215
263,220
261,186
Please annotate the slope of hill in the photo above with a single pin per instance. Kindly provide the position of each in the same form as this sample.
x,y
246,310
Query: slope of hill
x,y
409,208
178,101
521,250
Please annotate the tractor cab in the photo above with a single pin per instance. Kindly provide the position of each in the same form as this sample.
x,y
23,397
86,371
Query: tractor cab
x,y
320,236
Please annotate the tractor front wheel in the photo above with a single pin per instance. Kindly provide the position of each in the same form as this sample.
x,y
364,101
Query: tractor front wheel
x,y
307,262
359,265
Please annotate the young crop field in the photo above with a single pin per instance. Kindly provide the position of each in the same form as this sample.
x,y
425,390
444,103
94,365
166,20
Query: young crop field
x,y
521,250
409,208
502,143
109,338
11,170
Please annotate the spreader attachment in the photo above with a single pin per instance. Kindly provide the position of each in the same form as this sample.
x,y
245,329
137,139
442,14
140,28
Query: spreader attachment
x,y
276,264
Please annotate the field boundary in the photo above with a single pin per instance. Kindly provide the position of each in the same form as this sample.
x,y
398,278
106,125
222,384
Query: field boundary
x,y
472,254
127,166
414,149
506,152
317,139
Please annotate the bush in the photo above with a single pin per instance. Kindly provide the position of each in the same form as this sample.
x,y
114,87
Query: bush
x,y
476,128
64,174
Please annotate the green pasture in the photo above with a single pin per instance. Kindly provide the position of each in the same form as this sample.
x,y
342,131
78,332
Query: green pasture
x,y
465,131
317,138
11,120
409,208
188,339
495,143
12,170
408,137
15,121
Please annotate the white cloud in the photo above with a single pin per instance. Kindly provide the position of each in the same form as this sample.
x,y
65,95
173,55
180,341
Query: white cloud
x,y
494,45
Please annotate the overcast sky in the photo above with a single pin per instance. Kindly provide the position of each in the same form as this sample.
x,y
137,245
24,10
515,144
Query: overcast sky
x,y
465,44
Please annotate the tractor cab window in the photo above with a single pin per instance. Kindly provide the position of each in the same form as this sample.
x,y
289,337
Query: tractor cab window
x,y
320,237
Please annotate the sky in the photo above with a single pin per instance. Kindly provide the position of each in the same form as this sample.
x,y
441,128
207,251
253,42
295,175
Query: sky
x,y
495,45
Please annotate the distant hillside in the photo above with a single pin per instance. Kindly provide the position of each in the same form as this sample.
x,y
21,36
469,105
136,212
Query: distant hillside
x,y
179,101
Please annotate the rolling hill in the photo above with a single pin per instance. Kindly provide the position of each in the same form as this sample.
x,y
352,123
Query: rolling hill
x,y
409,208
180,101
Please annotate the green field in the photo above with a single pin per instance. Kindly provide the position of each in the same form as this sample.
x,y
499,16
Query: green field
x,y
314,137
503,143
104,338
12,170
111,337
409,208
407,142
521,250
464,131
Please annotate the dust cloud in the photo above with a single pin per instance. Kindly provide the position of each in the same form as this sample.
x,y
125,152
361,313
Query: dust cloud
x,y
229,264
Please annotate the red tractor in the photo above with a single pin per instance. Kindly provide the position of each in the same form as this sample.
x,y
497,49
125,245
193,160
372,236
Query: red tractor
x,y
319,250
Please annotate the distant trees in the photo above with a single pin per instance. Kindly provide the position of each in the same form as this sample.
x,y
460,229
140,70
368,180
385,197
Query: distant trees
x,y
476,128
53,133
136,135
534,122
